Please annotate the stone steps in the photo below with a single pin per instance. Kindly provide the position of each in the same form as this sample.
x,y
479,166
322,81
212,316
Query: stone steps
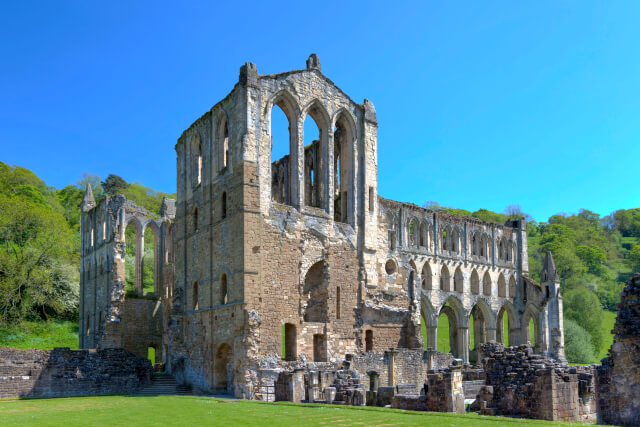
x,y
165,384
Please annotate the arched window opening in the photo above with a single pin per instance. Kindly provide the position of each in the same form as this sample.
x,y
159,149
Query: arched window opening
x,y
368,340
532,335
316,291
130,261
226,145
338,302
486,284
390,267
423,235
477,332
455,236
224,205
444,279
151,355
458,281
504,320
392,240
448,331
475,282
426,277
223,290
313,136
196,160
444,240
281,142
502,286
88,325
104,230
289,343
500,250
195,296
343,141
92,242
195,219
149,262
412,233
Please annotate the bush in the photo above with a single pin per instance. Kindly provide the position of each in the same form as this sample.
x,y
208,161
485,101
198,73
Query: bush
x,y
577,343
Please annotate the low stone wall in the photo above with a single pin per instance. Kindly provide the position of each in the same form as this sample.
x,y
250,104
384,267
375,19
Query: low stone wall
x,y
409,367
64,372
530,386
619,376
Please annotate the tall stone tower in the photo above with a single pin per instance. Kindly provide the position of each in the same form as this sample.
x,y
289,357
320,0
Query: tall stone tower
x,y
270,250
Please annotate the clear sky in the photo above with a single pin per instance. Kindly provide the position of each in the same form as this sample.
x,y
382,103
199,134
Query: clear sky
x,y
480,104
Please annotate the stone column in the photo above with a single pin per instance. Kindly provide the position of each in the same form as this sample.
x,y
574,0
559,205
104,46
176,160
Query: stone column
x,y
463,343
296,163
390,357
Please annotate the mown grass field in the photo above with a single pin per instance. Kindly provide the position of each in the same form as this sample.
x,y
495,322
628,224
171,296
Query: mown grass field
x,y
41,335
607,326
192,411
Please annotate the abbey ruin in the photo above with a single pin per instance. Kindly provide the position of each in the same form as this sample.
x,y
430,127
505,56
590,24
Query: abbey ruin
x,y
292,276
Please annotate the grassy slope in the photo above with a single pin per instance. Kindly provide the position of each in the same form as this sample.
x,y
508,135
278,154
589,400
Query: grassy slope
x,y
42,335
175,410
607,326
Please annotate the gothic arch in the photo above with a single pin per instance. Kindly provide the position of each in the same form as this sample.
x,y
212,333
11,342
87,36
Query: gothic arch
x,y
512,324
344,142
445,279
458,281
427,277
475,282
512,286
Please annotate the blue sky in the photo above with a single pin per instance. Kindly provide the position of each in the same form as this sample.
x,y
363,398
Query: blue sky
x,y
480,104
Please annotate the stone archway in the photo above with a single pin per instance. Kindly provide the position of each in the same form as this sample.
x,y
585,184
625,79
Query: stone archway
x,y
223,370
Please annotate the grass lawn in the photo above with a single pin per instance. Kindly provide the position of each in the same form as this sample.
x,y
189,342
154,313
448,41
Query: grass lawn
x,y
42,335
188,410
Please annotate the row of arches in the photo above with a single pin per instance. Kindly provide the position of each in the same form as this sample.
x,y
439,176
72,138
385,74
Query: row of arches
x,y
327,144
142,257
420,234
474,285
452,329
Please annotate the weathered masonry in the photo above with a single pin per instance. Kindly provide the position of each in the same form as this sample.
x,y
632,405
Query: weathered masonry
x,y
299,253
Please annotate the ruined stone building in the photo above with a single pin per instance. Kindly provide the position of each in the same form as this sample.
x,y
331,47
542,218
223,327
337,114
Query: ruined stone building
x,y
263,261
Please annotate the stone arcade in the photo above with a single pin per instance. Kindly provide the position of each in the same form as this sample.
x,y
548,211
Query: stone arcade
x,y
258,254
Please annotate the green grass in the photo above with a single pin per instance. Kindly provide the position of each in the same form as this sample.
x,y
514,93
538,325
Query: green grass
x,y
42,335
189,410
607,326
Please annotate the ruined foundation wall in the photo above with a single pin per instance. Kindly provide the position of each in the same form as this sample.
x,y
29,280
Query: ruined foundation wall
x,y
531,386
619,376
63,372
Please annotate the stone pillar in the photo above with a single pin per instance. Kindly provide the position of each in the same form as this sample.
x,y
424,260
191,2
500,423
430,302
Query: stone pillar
x,y
390,357
491,332
463,343
374,384
432,337
296,162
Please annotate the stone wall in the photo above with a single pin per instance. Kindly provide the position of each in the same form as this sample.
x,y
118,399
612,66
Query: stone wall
x,y
531,386
409,367
63,372
619,376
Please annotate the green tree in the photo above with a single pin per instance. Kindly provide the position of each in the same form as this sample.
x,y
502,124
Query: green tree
x,y
633,259
114,184
36,277
577,343
583,306
593,257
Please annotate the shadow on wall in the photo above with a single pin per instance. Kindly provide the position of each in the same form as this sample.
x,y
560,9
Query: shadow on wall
x,y
63,372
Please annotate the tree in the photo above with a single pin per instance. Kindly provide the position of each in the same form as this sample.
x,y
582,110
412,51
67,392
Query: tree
x,y
96,184
593,257
36,277
114,184
633,259
577,343
583,306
